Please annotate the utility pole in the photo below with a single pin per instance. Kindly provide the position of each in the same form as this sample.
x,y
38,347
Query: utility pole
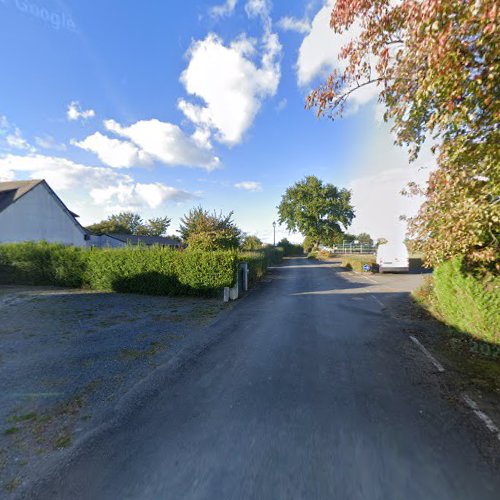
x,y
274,232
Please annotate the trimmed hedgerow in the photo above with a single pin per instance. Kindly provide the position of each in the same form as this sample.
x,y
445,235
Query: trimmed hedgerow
x,y
466,300
356,262
160,271
148,270
41,264
259,260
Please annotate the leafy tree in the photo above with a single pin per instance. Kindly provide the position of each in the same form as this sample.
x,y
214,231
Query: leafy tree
x,y
131,223
155,227
436,65
381,241
250,243
289,249
319,211
124,222
364,239
209,231
307,244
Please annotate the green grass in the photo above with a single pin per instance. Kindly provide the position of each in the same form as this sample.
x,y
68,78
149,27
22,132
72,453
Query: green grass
x,y
63,439
463,299
11,430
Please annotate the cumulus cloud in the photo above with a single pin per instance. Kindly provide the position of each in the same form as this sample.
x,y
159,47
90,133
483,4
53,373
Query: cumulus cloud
x,y
230,83
114,152
166,143
75,112
60,173
319,51
288,23
249,186
126,196
223,10
85,181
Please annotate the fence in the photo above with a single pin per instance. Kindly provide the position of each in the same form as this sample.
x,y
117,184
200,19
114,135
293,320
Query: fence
x,y
348,248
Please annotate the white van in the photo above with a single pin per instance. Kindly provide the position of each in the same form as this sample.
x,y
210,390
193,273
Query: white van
x,y
393,258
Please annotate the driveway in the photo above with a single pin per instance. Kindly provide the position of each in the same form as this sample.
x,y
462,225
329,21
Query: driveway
x,y
312,390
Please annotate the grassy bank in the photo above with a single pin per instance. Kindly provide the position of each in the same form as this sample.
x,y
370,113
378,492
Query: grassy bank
x,y
465,300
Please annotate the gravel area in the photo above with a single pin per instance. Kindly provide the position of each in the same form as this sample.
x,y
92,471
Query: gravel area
x,y
68,358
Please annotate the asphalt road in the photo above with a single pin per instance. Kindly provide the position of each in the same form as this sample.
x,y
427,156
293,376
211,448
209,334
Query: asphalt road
x,y
309,393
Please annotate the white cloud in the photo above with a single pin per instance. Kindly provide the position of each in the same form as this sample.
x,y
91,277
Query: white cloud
x,y
60,173
75,112
223,10
376,193
319,51
167,143
229,82
288,23
258,8
113,152
17,141
126,196
249,186
46,141
85,183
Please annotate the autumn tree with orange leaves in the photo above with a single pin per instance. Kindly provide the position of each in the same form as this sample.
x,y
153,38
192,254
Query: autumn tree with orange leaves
x,y
436,65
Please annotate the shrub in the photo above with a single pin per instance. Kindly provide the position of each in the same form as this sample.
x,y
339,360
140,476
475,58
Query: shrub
x,y
356,262
467,300
260,260
148,270
289,249
160,271
41,264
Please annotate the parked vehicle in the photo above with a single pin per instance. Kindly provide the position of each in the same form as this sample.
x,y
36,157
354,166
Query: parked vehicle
x,y
393,258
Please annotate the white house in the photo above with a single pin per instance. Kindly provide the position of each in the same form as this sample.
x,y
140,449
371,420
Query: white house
x,y
31,211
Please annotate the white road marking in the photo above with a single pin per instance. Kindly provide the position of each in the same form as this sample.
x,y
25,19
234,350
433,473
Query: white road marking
x,y
433,360
369,279
481,415
378,301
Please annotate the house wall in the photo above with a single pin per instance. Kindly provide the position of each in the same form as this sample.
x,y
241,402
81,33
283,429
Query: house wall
x,y
104,241
39,216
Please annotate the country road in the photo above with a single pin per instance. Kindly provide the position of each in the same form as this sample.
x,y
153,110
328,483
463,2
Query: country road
x,y
311,391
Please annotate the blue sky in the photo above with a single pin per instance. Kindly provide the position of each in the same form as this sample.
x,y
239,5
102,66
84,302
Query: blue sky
x,y
159,106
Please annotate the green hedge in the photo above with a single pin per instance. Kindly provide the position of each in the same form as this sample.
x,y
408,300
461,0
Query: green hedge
x,y
356,262
467,301
260,260
149,270
41,264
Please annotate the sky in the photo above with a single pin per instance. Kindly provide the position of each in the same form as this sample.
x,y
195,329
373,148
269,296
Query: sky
x,y
156,107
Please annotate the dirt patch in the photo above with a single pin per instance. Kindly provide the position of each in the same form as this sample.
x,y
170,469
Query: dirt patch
x,y
68,356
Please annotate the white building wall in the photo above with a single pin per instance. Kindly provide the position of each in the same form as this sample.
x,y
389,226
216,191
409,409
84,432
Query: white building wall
x,y
39,216
104,241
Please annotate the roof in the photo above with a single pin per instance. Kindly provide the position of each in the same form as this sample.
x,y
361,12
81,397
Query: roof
x,y
11,191
134,239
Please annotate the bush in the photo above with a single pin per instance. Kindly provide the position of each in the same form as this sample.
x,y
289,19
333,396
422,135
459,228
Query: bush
x,y
41,264
467,300
356,262
160,271
289,249
260,260
149,270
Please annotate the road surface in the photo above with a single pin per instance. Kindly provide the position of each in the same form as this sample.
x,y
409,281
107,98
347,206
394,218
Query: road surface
x,y
312,391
